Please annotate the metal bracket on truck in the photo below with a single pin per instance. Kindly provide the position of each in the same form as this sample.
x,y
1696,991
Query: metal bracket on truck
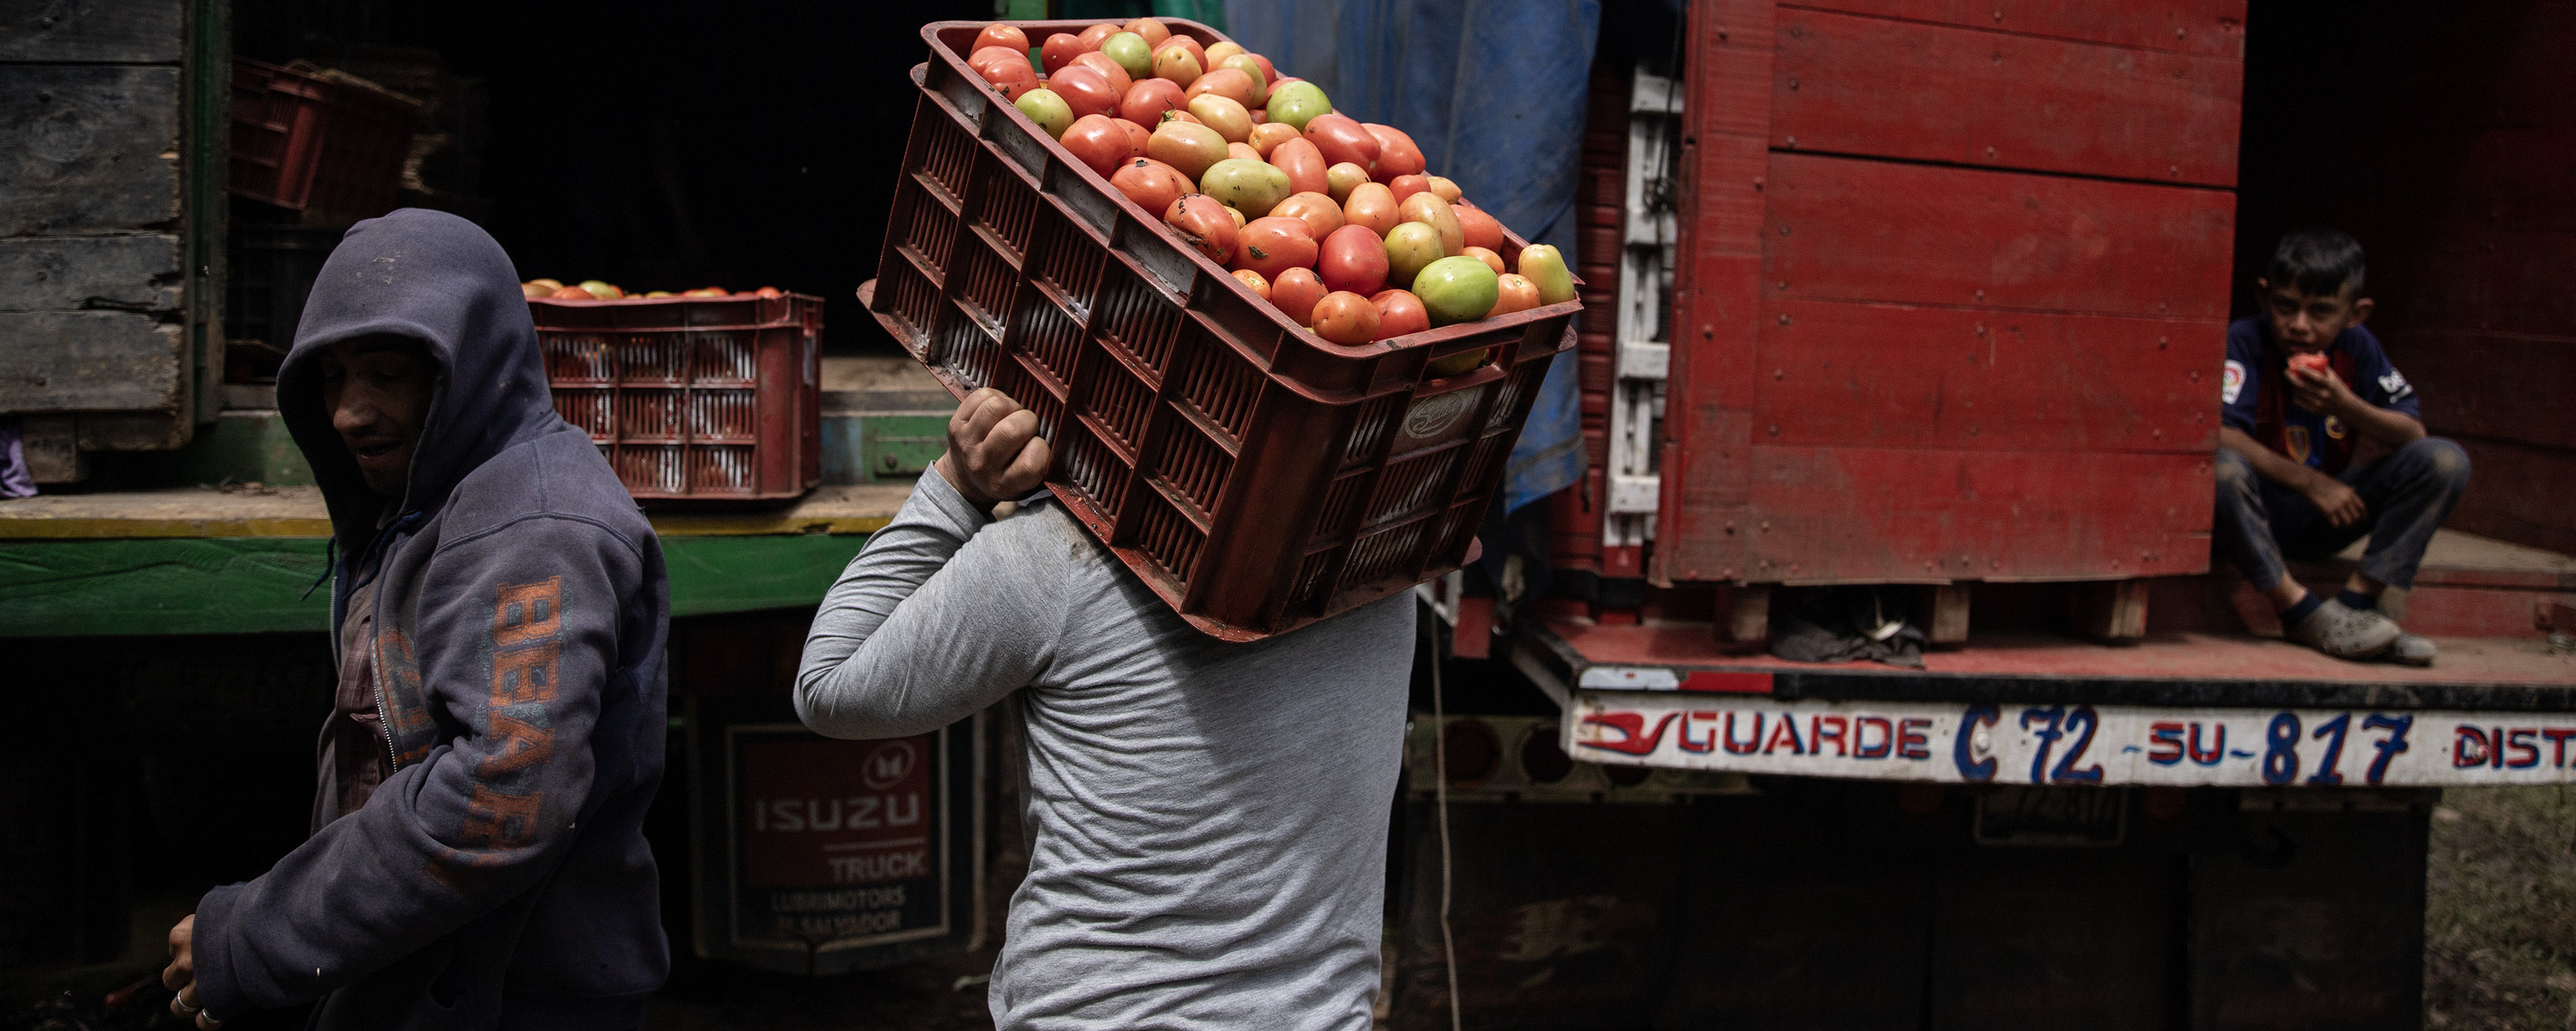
x,y
2194,710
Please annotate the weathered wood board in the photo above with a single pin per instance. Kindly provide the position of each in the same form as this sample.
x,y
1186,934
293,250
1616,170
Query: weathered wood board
x,y
105,31
136,272
60,361
88,148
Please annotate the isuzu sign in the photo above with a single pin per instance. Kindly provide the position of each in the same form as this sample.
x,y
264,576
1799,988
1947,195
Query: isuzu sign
x,y
2060,744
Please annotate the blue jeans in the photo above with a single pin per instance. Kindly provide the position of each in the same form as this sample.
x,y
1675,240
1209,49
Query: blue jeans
x,y
2408,493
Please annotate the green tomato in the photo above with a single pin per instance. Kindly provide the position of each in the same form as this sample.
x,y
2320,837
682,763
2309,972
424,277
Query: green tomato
x,y
1131,53
1460,289
1047,109
1410,248
1252,187
1297,102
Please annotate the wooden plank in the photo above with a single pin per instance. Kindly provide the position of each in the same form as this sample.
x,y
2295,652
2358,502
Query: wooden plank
x,y
88,148
2519,493
139,272
1857,230
135,431
1875,86
1879,375
51,446
1946,608
1716,291
2212,27
1883,515
118,31
2109,610
1748,615
89,360
2475,384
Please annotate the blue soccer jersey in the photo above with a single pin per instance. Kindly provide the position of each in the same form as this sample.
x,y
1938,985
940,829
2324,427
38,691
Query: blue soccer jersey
x,y
2255,394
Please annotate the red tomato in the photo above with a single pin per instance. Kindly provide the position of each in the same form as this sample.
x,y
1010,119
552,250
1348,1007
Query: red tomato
x,y
1152,184
1396,154
1006,36
1136,136
1353,259
1304,164
1084,90
1011,75
1096,140
1320,214
1254,282
573,293
1479,228
1203,224
1242,150
769,291
1146,101
1197,53
1492,260
1267,135
1059,50
1091,37
1268,74
1341,138
1399,313
1406,186
1346,318
1371,205
1295,293
1225,82
1513,292
1272,245
2313,362
1153,30
1100,62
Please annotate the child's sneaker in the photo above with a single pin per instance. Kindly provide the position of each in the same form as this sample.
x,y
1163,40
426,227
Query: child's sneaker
x,y
2411,650
2344,632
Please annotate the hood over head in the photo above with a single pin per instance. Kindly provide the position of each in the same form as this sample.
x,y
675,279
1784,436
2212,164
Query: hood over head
x,y
441,280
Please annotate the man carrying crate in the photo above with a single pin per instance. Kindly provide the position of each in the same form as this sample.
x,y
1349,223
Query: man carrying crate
x,y
477,857
2304,383
1209,819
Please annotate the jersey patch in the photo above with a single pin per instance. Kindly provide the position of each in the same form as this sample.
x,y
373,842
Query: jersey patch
x,y
2395,385
2298,441
2231,381
2334,427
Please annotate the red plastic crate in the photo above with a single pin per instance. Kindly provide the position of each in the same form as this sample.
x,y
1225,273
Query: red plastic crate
x,y
693,397
305,142
1255,475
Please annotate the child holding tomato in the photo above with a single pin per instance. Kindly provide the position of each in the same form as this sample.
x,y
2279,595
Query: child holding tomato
x,y
2304,383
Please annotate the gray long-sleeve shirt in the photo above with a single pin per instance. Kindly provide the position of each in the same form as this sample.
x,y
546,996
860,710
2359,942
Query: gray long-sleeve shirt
x,y
1209,820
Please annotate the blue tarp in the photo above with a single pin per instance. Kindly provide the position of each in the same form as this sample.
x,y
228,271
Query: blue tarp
x,y
1494,92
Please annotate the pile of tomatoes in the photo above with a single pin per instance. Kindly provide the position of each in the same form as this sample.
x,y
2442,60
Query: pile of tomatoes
x,y
1333,221
595,290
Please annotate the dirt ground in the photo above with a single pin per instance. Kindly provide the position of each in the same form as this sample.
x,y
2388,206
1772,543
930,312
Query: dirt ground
x,y
2500,911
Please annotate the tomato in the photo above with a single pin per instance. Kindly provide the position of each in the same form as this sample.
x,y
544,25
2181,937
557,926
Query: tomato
x,y
1009,73
1457,289
1320,214
1154,31
1008,37
1545,266
1203,224
1192,149
1478,228
1295,292
1084,90
1305,167
1046,108
1250,66
1396,154
1222,114
1341,179
1092,37
1242,150
1152,184
1268,74
1434,212
1182,116
997,56
1353,259
1273,245
1514,293
573,293
1230,83
1174,62
1447,189
1131,53
1341,138
1266,135
1443,368
1411,246
1371,205
1405,186
1253,185
1217,53
2313,363
1492,260
1399,313
1119,82
1254,282
1097,141
1136,136
1146,101
1197,53
1059,50
1346,318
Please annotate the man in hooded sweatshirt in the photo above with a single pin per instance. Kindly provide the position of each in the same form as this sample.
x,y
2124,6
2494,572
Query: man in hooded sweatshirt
x,y
477,857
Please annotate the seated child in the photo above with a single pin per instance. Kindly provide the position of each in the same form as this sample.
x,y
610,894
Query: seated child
x,y
2304,383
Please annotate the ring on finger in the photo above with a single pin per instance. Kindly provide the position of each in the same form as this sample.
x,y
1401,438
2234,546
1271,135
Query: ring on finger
x,y
181,1004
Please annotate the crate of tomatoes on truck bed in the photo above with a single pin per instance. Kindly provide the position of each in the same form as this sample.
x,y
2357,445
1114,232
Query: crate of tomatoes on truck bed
x,y
1280,365
703,394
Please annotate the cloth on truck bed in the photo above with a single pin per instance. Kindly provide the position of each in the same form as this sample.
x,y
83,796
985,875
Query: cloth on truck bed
x,y
1494,93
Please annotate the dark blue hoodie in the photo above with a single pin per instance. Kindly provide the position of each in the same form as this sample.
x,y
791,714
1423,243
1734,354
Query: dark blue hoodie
x,y
499,876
